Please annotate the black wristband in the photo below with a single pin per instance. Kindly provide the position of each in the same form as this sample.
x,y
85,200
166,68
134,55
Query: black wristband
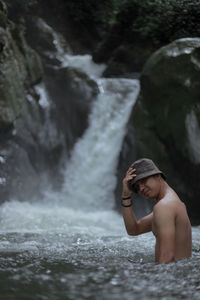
x,y
126,198
122,204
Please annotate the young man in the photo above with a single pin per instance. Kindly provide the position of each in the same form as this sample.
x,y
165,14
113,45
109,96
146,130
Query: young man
x,y
169,221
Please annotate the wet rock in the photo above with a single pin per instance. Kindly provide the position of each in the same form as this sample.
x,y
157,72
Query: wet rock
x,y
44,108
18,178
20,68
126,61
72,93
3,15
123,58
166,118
46,41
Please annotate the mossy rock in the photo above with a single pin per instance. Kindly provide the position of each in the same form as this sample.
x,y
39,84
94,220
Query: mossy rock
x,y
166,118
20,68
29,59
11,86
3,20
171,89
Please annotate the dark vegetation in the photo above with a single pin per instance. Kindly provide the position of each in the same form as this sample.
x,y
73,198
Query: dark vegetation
x,y
141,27
159,22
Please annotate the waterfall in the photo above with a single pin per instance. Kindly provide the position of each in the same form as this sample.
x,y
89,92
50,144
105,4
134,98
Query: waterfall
x,y
90,174
193,133
90,177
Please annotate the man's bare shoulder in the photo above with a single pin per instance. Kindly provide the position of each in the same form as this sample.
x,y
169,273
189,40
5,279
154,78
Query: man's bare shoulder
x,y
164,215
165,207
169,209
169,202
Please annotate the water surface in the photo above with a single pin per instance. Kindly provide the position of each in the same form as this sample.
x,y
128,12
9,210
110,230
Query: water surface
x,y
60,253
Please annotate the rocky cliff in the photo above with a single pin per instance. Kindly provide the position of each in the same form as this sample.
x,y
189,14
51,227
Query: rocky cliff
x,y
44,108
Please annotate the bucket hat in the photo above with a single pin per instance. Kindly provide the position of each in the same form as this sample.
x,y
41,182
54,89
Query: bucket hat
x,y
144,168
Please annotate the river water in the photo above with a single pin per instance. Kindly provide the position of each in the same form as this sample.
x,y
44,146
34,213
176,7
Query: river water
x,y
72,244
49,251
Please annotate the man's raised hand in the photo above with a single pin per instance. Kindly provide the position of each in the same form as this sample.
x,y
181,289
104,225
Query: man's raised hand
x,y
130,174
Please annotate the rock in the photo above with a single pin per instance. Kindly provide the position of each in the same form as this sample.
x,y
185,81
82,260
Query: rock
x,y
18,179
48,43
3,15
123,58
126,61
20,68
72,93
38,126
166,118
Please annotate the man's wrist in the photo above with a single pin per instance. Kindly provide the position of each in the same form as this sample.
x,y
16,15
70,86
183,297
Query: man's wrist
x,y
126,194
126,198
127,202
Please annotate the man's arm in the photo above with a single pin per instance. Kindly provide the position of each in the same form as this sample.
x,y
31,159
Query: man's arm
x,y
164,225
133,227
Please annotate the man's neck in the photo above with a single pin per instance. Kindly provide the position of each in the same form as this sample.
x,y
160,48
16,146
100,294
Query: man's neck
x,y
163,190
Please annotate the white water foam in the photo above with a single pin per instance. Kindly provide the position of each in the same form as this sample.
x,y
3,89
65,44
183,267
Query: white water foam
x,y
84,63
23,217
80,62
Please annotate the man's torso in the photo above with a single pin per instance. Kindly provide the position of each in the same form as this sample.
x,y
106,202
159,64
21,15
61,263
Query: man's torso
x,y
182,228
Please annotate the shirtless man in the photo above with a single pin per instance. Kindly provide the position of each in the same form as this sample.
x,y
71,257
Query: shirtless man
x,y
169,221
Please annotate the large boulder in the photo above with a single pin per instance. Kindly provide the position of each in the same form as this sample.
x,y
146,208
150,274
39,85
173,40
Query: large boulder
x,y
165,123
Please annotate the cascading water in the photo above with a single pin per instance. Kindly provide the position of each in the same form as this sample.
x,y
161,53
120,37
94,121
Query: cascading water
x,y
90,175
72,244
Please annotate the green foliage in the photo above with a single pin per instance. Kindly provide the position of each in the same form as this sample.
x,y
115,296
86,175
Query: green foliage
x,y
156,20
159,21
91,14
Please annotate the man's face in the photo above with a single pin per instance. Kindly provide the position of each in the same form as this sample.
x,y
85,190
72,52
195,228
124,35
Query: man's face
x,y
148,187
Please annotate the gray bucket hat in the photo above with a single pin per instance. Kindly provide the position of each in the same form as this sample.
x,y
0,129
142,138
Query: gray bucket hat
x,y
144,168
